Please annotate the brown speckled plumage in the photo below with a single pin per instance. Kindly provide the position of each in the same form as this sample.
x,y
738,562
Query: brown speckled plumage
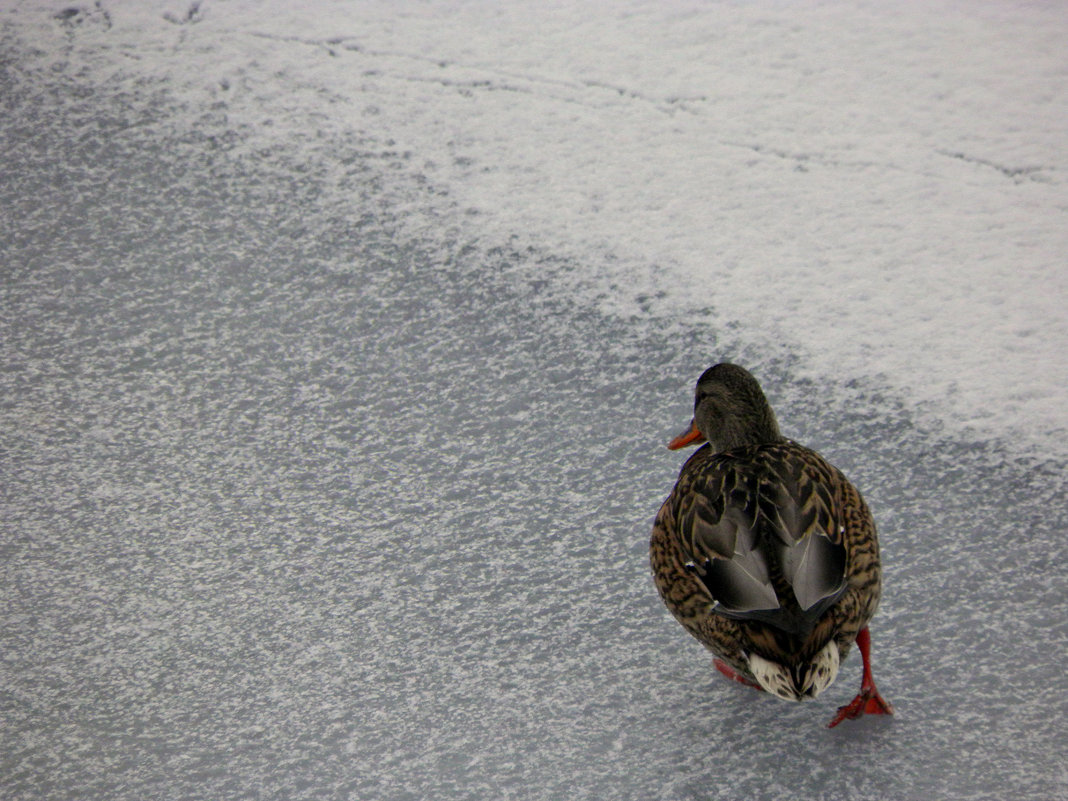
x,y
780,535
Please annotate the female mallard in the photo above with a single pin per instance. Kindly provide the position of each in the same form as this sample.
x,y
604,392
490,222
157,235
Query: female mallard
x,y
765,552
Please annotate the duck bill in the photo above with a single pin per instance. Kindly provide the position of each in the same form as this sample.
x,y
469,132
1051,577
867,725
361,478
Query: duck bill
x,y
689,436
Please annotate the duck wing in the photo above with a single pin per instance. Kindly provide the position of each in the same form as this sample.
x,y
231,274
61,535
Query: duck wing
x,y
760,530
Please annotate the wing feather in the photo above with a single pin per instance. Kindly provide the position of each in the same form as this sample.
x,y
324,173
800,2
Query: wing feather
x,y
761,532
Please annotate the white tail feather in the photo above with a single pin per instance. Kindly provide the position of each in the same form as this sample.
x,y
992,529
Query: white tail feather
x,y
809,681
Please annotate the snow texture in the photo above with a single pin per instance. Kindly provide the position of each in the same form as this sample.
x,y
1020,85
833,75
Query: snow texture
x,y
339,343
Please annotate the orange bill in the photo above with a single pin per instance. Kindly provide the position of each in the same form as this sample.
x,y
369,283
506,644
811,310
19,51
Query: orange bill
x,y
689,436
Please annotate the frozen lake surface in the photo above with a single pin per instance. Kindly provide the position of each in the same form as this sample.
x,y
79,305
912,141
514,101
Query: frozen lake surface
x,y
329,451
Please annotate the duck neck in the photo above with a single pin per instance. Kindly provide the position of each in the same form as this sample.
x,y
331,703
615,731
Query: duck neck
x,y
737,432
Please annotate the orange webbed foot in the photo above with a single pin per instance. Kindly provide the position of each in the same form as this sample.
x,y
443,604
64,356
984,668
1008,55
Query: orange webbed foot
x,y
868,700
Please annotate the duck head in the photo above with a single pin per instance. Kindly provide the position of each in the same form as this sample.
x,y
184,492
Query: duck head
x,y
729,411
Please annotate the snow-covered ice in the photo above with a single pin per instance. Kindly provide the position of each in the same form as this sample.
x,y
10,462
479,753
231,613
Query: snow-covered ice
x,y
340,342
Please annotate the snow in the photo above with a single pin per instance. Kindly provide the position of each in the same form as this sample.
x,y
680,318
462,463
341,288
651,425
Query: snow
x,y
881,191
340,342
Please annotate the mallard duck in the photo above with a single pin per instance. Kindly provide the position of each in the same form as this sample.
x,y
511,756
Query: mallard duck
x,y
765,552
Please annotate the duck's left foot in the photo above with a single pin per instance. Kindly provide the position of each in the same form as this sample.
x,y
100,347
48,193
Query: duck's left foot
x,y
734,675
867,702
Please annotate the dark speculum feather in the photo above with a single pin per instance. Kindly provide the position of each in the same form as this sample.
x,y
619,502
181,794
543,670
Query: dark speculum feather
x,y
740,585
815,568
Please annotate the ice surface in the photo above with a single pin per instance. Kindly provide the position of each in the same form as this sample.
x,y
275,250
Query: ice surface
x,y
339,348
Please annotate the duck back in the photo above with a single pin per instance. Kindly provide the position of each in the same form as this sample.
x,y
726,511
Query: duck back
x,y
758,527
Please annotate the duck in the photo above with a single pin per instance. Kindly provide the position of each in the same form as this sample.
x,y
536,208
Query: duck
x,y
765,552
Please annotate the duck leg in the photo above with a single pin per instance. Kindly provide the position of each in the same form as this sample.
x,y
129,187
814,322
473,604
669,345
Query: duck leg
x,y
868,700
734,675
